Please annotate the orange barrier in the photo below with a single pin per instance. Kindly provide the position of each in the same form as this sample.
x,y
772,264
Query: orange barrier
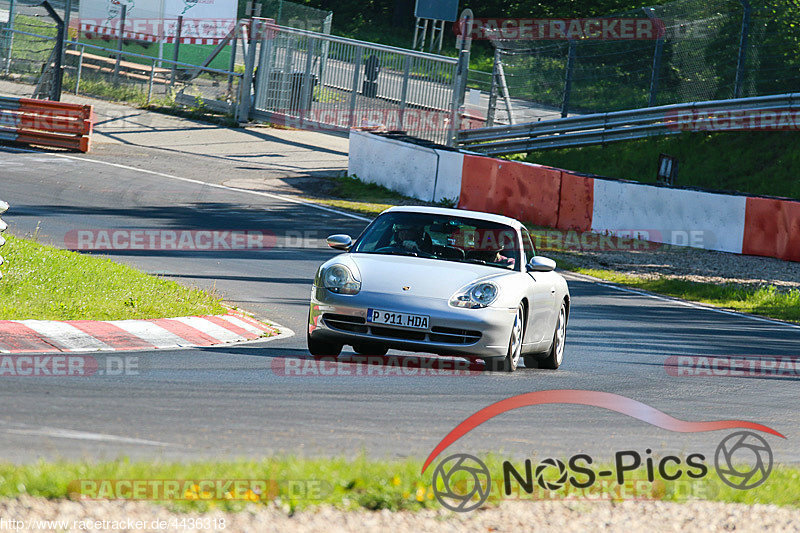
x,y
772,228
46,123
523,191
576,202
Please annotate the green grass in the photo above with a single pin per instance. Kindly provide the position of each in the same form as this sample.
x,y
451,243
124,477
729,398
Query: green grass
x,y
352,194
766,301
348,484
46,283
765,163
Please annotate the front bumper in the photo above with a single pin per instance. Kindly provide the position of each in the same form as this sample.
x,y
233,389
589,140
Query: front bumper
x,y
452,331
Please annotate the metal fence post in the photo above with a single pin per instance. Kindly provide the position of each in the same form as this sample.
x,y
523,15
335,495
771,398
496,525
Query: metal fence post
x,y
657,53
354,92
177,42
246,83
150,81
264,69
232,62
10,47
741,64
459,87
119,43
491,110
58,53
568,78
306,92
80,69
404,93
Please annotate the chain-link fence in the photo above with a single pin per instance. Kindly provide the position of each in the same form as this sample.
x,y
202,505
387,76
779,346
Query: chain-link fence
x,y
297,16
127,65
710,49
308,79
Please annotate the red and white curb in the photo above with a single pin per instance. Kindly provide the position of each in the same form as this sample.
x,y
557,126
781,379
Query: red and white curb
x,y
46,336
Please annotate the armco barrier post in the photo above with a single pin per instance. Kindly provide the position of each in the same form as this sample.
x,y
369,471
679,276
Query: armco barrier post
x,y
3,226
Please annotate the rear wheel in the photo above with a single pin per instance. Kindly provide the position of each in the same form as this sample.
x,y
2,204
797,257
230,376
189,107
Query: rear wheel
x,y
555,356
511,360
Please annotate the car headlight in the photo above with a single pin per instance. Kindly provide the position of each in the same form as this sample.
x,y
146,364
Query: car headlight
x,y
339,279
475,296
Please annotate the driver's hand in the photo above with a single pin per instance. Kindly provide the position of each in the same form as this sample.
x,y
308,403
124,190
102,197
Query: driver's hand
x,y
411,246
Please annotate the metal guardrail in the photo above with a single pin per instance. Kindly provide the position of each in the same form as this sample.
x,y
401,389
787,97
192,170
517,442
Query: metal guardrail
x,y
619,125
3,226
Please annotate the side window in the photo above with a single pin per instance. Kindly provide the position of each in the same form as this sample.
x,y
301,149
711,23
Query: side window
x,y
527,245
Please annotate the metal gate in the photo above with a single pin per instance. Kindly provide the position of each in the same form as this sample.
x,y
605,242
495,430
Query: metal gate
x,y
312,80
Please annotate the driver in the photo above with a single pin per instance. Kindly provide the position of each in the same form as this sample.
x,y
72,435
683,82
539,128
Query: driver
x,y
407,237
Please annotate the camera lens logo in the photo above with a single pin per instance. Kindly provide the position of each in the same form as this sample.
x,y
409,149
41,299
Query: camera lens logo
x,y
743,460
461,482
545,481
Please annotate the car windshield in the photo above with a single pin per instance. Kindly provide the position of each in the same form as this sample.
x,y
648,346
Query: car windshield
x,y
444,237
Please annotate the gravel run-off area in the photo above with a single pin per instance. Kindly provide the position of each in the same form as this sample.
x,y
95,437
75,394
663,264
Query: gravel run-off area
x,y
577,516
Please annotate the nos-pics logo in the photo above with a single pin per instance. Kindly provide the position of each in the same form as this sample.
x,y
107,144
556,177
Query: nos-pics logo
x,y
461,482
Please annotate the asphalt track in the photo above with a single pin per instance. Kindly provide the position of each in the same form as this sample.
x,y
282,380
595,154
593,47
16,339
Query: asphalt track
x,y
231,402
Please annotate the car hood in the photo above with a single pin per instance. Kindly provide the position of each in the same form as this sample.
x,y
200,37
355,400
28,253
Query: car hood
x,y
432,278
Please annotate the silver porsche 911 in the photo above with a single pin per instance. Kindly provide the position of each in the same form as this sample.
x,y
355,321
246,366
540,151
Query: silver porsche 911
x,y
442,281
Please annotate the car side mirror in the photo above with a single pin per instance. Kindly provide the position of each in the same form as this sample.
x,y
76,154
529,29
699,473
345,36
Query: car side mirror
x,y
340,242
540,264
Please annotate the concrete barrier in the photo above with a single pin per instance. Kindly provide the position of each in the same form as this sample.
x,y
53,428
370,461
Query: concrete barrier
x,y
566,200
576,202
667,215
772,228
421,172
520,190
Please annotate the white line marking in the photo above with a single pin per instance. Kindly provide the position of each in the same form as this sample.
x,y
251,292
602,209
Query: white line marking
x,y
678,301
209,328
66,335
242,324
149,332
218,186
83,435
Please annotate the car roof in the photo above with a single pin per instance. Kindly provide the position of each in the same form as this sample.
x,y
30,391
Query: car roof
x,y
491,217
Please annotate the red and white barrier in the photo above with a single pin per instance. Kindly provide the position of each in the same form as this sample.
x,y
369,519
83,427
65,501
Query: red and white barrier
x,y
567,200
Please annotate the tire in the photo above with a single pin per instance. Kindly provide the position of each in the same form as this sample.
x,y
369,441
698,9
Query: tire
x,y
511,360
319,348
555,356
370,349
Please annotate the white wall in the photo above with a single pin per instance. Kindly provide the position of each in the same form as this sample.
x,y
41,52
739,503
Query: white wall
x,y
673,216
416,171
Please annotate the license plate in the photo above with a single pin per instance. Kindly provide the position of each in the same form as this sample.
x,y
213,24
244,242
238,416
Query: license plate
x,y
392,318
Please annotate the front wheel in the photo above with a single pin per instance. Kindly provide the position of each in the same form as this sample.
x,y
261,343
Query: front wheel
x,y
555,356
511,360
320,348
